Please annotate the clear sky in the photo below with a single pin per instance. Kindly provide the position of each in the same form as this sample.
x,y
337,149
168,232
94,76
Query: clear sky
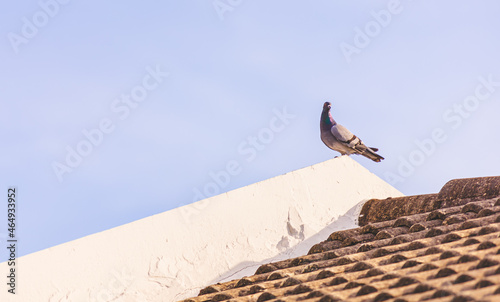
x,y
112,112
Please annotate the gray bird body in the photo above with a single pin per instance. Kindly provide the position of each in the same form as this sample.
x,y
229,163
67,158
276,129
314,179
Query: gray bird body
x,y
338,138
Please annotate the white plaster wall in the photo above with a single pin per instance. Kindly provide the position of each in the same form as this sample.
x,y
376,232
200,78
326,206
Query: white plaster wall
x,y
170,256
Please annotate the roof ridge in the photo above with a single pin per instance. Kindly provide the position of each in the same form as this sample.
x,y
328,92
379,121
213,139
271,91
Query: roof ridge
x,y
462,188
454,193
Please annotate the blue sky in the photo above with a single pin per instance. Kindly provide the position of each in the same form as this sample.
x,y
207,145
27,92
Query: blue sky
x,y
232,86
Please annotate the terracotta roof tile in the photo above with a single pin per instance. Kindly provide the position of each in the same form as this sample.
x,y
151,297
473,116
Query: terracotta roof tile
x,y
435,247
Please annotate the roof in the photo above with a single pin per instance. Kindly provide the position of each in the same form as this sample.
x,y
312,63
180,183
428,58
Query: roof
x,y
434,247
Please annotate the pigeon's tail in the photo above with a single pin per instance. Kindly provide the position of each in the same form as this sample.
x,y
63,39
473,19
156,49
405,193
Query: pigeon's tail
x,y
370,153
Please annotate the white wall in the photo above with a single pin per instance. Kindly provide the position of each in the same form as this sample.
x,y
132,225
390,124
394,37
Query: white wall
x,y
172,255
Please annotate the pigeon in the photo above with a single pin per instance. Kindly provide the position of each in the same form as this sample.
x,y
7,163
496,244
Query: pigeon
x,y
338,138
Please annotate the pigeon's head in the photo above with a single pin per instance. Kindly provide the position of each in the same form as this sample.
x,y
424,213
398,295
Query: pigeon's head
x,y
327,106
326,117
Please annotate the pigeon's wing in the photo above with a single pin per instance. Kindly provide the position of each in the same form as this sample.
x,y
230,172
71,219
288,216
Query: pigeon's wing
x,y
353,142
344,136
348,139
